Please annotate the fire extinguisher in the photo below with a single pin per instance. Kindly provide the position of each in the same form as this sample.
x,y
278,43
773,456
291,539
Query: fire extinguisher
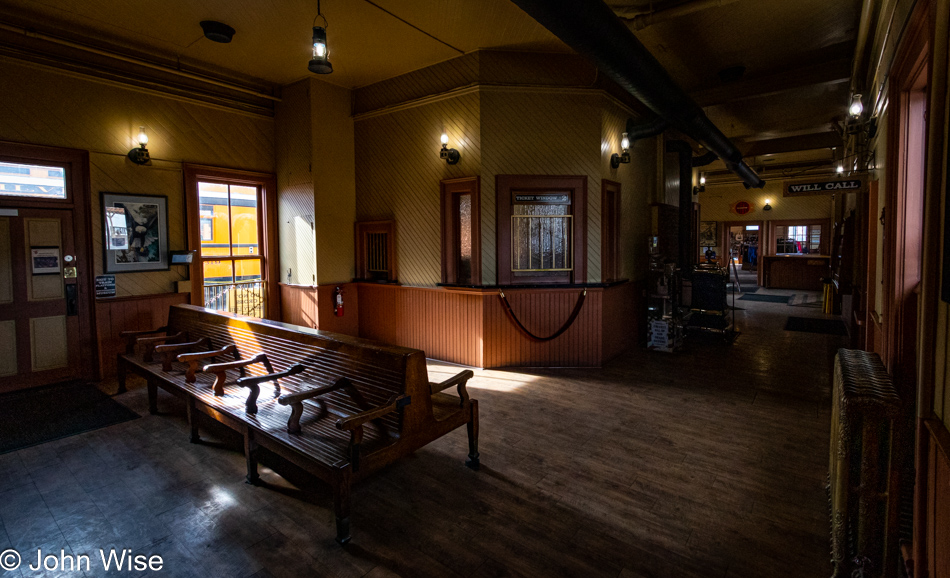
x,y
338,302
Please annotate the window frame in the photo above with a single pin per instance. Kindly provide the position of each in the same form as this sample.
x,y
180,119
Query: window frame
x,y
361,232
449,189
267,233
576,187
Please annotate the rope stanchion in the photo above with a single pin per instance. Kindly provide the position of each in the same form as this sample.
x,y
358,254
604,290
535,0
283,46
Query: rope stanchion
x,y
556,334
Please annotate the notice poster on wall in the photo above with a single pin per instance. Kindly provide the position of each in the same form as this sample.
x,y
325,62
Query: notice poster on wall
x,y
45,260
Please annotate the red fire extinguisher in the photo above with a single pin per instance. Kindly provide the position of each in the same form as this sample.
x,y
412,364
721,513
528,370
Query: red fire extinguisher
x,y
338,302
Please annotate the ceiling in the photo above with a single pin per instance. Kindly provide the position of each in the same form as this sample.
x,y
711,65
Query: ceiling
x,y
796,54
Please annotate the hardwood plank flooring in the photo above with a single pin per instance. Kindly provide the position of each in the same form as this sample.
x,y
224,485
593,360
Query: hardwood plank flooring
x,y
710,462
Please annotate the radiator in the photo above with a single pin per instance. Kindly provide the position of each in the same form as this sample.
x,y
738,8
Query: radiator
x,y
861,488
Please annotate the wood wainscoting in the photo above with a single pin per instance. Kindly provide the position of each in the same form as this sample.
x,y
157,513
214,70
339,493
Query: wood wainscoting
x,y
119,314
313,307
936,501
471,327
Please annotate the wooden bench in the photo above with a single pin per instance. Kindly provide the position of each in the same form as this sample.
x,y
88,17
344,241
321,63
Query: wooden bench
x,y
341,407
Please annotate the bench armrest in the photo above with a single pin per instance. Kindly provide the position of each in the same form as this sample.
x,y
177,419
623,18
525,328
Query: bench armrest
x,y
295,401
459,380
149,343
354,424
356,421
170,350
220,369
131,336
192,359
253,383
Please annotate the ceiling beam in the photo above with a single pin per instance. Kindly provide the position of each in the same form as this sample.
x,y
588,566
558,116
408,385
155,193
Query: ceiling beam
x,y
807,142
830,72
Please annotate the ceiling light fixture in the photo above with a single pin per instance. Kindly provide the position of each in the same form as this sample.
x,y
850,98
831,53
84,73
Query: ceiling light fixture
x,y
320,63
451,156
616,159
217,31
857,107
140,155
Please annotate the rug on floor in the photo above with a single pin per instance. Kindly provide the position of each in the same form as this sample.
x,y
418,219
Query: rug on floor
x,y
34,416
806,300
766,298
813,325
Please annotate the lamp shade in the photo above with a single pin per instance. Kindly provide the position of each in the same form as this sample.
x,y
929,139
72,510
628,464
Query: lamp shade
x,y
320,63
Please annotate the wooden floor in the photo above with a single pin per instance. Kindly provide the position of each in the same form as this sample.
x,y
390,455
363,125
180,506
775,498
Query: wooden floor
x,y
706,463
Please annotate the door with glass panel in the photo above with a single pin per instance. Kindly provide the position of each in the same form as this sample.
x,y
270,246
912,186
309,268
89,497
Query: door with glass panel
x,y
42,269
230,255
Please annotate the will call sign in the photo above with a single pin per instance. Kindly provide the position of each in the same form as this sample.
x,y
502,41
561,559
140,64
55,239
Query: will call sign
x,y
825,187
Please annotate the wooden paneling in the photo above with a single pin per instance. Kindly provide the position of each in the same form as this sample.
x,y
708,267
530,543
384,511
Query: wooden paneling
x,y
313,307
472,327
937,500
114,316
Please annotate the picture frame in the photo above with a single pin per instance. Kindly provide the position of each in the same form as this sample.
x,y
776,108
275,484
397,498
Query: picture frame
x,y
708,233
135,232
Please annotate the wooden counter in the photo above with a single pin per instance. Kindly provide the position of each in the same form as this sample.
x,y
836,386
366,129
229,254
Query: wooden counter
x,y
795,271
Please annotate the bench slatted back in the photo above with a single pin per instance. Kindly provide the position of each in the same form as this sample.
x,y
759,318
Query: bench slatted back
x,y
378,371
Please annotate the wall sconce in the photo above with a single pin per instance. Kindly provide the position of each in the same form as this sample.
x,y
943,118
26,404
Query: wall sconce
x,y
702,184
857,107
140,155
320,62
840,169
616,159
767,206
451,156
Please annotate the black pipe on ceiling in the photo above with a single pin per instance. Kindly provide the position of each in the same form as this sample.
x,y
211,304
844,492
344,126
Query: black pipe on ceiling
x,y
591,28
641,129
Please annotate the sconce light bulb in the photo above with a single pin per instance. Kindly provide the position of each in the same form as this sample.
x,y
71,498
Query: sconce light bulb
x,y
624,142
840,169
767,201
857,107
143,136
445,139
702,180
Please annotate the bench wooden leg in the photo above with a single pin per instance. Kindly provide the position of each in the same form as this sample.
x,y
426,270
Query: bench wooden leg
x,y
152,396
193,421
341,507
250,454
120,373
473,437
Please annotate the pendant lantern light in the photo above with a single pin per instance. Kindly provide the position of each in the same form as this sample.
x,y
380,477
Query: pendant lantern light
x,y
320,62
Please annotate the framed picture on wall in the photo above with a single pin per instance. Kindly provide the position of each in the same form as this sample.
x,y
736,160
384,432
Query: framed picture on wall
x,y
135,231
708,233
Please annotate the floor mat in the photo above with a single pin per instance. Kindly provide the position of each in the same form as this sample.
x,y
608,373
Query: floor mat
x,y
35,416
812,325
766,298
805,300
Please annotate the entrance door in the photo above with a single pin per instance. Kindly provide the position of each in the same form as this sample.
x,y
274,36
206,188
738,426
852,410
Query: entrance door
x,y
39,323
45,299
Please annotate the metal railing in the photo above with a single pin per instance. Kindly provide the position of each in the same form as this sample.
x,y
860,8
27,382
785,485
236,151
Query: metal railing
x,y
243,297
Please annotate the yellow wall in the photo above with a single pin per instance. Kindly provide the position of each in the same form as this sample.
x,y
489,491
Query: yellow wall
x,y
399,173
638,187
46,107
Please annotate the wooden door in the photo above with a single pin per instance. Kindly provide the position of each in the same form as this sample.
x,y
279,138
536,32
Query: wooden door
x,y
39,298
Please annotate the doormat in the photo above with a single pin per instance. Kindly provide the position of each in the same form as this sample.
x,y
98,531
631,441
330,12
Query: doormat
x,y
766,298
814,301
812,325
35,416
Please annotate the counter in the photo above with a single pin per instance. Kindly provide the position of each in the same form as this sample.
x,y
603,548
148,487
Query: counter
x,y
795,271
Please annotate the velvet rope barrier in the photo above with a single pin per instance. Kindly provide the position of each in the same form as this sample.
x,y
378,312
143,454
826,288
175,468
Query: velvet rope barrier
x,y
556,334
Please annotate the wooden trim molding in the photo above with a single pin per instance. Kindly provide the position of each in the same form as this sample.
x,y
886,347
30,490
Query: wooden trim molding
x,y
610,228
450,188
268,220
574,185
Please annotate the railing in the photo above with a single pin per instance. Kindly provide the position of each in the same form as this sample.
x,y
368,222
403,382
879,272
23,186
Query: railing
x,y
243,297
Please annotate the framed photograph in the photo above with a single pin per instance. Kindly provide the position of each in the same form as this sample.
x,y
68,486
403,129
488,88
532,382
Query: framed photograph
x,y
708,233
45,260
135,229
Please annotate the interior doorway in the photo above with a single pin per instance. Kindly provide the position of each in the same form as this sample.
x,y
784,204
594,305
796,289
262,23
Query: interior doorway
x,y
46,321
742,251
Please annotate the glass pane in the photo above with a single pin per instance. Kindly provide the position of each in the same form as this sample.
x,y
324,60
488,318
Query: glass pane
x,y
215,232
218,272
244,220
464,273
540,243
18,180
247,270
